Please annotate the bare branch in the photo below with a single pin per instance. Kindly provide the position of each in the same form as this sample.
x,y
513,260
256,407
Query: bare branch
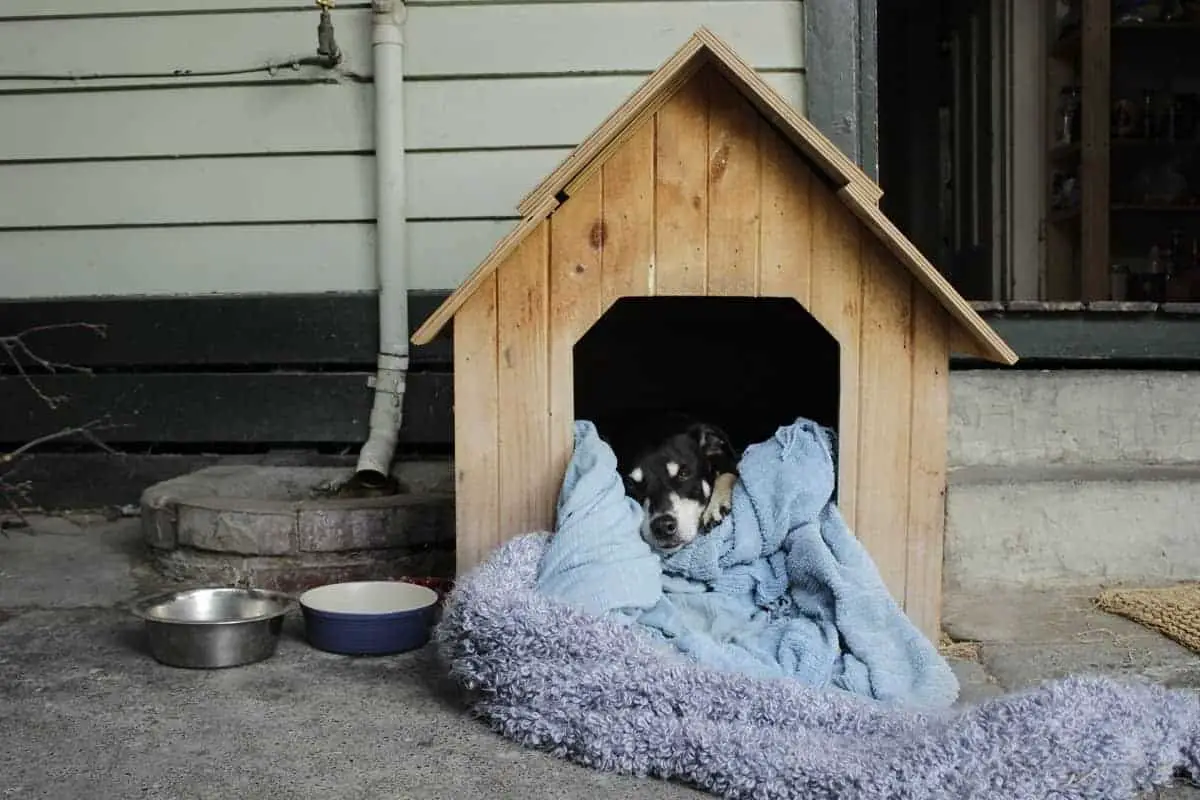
x,y
84,431
18,351
20,355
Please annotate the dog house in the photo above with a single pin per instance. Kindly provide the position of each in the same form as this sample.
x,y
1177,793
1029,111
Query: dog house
x,y
737,248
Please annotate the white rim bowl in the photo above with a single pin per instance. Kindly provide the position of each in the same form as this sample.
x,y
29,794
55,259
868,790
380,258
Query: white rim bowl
x,y
369,597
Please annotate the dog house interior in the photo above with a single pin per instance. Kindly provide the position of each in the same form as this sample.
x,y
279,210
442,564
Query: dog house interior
x,y
707,250
745,364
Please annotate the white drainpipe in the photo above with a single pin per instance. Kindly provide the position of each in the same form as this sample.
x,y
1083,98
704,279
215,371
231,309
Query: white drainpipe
x,y
391,257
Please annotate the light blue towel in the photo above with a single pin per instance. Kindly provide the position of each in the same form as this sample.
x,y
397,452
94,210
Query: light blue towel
x,y
778,589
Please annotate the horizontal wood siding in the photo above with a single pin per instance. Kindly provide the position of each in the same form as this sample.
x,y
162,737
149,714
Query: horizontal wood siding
x,y
261,181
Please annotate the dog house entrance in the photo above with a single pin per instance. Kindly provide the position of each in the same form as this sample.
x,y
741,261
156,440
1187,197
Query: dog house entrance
x,y
748,365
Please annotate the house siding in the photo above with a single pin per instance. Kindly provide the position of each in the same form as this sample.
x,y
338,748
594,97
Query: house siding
x,y
130,184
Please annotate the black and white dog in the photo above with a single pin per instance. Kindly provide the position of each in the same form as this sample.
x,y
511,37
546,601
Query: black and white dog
x,y
681,472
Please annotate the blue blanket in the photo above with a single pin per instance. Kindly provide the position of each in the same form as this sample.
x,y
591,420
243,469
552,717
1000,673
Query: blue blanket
x,y
780,588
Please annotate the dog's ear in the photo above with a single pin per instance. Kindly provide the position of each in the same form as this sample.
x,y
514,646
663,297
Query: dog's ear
x,y
712,440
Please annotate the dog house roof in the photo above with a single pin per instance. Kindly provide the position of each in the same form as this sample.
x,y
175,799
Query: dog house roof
x,y
853,187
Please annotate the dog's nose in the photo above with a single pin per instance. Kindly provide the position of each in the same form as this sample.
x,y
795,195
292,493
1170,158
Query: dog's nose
x,y
663,527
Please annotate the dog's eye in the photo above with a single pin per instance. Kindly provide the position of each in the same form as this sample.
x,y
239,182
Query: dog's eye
x,y
684,473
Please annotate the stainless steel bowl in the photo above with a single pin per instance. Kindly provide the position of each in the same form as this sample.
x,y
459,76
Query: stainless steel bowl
x,y
214,627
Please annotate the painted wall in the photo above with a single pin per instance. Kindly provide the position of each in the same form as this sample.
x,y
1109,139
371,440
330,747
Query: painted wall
x,y
145,182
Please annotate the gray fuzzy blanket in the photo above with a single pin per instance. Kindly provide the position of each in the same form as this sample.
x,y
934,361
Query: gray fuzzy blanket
x,y
604,694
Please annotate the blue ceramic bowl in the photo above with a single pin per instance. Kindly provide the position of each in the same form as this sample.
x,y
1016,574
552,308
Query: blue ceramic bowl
x,y
368,617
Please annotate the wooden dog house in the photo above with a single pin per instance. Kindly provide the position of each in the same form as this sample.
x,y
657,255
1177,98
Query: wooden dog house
x,y
705,182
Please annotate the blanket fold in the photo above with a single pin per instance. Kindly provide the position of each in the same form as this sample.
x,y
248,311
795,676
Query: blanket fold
x,y
781,588
608,694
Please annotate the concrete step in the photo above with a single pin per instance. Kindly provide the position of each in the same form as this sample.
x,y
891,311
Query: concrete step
x,y
1072,524
1040,418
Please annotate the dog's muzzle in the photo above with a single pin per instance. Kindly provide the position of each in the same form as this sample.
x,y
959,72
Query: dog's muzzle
x,y
664,527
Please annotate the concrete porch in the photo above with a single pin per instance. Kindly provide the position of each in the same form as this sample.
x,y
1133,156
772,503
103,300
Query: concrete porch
x,y
89,714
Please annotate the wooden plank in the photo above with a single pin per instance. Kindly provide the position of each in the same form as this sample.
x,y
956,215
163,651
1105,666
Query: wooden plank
x,y
222,407
899,245
885,381
681,192
837,304
628,255
233,259
498,255
622,123
541,39
701,47
214,331
930,415
802,133
662,94
1094,339
577,239
734,191
529,112
840,43
527,483
286,118
577,37
255,119
1095,101
270,189
785,263
477,422
23,9
153,50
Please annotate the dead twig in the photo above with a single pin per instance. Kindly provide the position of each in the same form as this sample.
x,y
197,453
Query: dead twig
x,y
18,352
21,355
84,431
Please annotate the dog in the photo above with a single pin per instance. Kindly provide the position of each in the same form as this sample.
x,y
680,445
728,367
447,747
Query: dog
x,y
681,472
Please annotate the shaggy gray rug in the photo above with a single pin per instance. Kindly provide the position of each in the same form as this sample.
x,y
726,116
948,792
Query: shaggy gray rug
x,y
605,695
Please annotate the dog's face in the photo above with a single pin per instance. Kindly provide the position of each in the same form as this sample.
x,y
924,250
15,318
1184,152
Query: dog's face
x,y
673,482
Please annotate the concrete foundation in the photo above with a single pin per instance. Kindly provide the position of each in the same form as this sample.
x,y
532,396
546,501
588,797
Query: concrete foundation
x,y
1072,477
281,527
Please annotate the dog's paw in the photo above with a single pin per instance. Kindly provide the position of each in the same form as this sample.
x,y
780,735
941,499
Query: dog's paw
x,y
720,503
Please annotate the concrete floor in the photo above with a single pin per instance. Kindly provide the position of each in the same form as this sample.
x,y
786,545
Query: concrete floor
x,y
87,713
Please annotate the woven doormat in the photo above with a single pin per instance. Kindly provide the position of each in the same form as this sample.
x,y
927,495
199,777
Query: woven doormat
x,y
1173,611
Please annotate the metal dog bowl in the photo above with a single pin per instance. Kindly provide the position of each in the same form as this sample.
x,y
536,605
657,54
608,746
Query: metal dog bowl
x,y
214,627
368,617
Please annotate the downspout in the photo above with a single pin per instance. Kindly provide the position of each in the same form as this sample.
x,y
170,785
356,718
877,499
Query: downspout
x,y
391,254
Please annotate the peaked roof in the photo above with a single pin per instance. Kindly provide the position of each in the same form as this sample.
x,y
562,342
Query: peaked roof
x,y
855,189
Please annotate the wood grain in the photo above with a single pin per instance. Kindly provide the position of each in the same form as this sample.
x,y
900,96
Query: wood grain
x,y
802,133
927,464
577,235
681,192
836,303
527,486
734,191
476,420
628,253
885,372
499,255
785,258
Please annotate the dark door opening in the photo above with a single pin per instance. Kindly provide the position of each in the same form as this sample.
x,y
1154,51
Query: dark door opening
x,y
748,365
